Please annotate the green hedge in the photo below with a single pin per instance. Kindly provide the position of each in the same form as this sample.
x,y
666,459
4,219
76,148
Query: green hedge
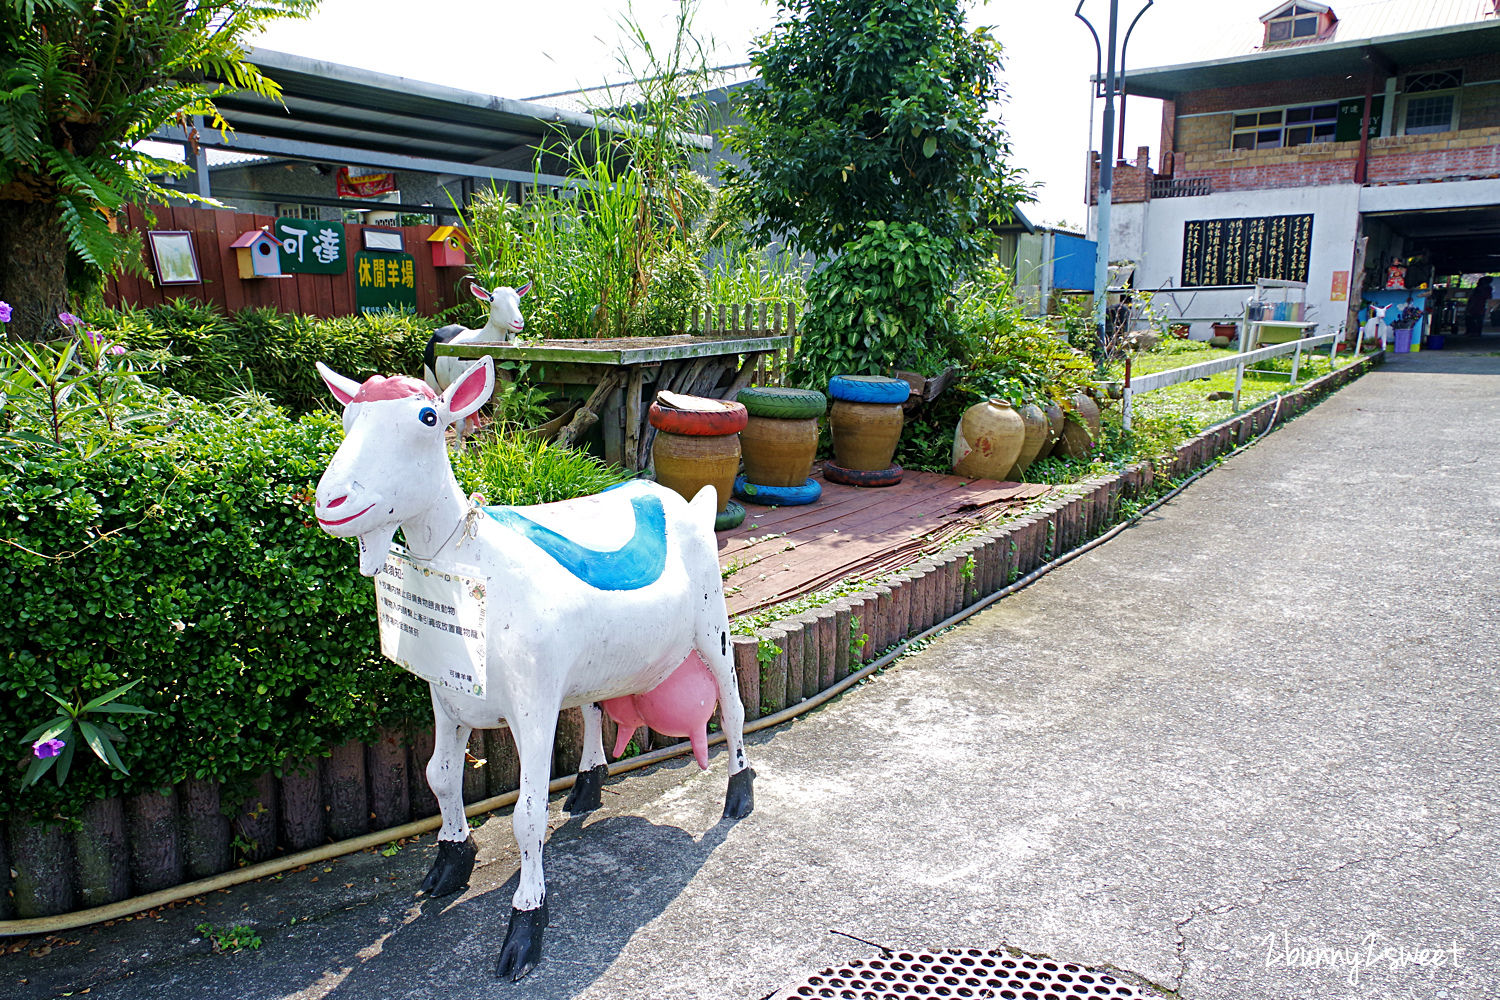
x,y
184,553
200,351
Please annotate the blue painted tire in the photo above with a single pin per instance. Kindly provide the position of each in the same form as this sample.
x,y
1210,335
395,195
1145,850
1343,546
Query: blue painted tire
x,y
869,389
860,477
778,496
732,516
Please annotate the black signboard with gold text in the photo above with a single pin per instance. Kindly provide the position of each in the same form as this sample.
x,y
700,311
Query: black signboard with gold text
x,y
1238,251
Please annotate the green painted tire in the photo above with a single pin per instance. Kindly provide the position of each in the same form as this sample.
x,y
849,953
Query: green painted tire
x,y
783,404
732,516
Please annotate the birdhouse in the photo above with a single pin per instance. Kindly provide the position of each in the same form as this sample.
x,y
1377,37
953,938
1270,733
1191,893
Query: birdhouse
x,y
447,247
259,254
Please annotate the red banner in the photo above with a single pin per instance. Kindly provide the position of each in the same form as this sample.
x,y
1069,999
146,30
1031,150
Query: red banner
x,y
364,186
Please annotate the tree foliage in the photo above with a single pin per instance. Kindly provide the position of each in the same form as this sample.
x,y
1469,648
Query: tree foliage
x,y
81,83
874,111
872,142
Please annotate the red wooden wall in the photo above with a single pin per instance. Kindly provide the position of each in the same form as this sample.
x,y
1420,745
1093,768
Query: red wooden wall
x,y
312,294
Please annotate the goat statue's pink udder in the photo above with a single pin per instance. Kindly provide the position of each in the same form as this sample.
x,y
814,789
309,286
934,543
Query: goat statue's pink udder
x,y
681,705
627,720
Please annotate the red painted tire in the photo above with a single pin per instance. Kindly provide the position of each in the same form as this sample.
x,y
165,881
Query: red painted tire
x,y
707,418
859,477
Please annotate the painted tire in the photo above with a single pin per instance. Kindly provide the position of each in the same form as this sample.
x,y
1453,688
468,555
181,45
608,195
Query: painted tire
x,y
783,404
726,418
778,496
858,477
869,389
732,516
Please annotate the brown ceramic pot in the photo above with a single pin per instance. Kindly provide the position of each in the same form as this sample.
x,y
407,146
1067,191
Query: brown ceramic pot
x,y
1038,429
688,462
1081,433
988,440
779,452
1055,420
865,434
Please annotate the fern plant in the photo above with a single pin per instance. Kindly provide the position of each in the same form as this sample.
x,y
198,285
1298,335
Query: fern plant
x,y
80,84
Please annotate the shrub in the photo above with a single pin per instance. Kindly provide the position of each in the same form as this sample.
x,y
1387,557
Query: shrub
x,y
872,308
183,554
197,350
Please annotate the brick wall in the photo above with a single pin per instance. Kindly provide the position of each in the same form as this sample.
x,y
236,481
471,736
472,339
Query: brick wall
x,y
1269,95
1131,182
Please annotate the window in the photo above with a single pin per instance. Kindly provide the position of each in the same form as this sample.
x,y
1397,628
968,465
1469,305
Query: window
x,y
1293,23
1285,127
1431,100
286,211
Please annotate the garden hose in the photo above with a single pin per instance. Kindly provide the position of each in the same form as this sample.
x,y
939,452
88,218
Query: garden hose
x,y
178,893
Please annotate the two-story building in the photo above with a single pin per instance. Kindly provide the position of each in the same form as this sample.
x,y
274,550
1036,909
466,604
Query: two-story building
x,y
1337,139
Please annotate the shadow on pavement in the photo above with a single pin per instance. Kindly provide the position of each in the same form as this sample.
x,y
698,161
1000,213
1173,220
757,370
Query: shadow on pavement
x,y
605,881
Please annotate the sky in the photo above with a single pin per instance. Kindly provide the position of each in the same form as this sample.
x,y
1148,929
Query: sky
x,y
522,50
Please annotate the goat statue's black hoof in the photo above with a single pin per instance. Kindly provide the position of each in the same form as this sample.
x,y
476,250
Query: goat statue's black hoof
x,y
522,949
451,871
740,802
587,792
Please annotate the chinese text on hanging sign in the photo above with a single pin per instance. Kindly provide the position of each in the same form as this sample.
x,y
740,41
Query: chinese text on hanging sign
x,y
309,246
432,620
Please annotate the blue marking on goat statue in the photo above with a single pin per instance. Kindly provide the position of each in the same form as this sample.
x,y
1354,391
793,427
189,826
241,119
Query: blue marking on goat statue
x,y
639,563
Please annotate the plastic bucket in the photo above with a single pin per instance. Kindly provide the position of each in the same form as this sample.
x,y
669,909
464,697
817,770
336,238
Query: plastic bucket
x,y
1403,341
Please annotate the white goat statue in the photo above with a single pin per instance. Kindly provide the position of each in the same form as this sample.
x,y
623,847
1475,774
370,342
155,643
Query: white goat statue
x,y
590,599
504,323
1376,325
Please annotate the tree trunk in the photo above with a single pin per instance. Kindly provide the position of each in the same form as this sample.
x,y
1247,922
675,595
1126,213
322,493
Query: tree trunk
x,y
33,268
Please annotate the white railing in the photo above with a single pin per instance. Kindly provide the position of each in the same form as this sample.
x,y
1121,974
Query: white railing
x,y
1176,376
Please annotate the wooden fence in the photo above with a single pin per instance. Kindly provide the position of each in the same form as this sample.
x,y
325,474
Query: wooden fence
x,y
312,294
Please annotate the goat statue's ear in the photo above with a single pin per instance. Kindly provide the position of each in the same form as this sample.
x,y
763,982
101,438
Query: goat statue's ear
x,y
343,388
469,391
523,289
479,292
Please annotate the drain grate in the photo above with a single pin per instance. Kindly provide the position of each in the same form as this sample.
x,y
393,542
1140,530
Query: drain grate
x,y
968,973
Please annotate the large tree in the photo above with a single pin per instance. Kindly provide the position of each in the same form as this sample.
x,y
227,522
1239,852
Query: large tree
x,y
82,81
874,143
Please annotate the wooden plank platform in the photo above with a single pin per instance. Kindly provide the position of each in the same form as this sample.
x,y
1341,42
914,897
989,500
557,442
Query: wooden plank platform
x,y
783,552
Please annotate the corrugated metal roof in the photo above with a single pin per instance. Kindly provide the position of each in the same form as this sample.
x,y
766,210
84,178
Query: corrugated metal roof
x,y
623,95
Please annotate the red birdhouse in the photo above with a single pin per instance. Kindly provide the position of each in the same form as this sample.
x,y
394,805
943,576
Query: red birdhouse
x,y
447,247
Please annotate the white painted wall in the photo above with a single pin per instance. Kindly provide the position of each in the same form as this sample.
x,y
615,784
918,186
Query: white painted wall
x,y
1157,226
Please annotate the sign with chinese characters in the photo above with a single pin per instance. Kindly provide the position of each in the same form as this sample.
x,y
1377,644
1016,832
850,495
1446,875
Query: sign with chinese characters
x,y
1340,290
310,247
384,281
1217,252
432,620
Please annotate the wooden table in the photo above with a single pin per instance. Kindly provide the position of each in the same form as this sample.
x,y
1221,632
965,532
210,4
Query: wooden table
x,y
620,377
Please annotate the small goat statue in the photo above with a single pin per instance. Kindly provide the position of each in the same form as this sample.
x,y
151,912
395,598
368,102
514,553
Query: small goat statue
x,y
504,323
590,600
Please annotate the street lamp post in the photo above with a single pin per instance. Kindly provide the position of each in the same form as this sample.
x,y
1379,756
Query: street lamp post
x,y
1106,86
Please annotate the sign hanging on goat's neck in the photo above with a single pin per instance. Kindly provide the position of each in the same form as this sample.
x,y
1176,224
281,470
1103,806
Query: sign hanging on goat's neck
x,y
432,620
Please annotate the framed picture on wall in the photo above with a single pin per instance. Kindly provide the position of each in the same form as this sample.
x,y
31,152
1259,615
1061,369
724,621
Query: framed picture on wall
x,y
176,263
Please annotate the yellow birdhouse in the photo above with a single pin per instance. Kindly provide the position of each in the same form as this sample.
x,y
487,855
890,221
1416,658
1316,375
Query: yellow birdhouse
x,y
447,247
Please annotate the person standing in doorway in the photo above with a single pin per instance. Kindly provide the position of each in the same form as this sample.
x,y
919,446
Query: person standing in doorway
x,y
1474,309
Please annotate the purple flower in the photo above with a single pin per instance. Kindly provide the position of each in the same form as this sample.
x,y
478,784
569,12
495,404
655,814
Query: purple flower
x,y
68,319
47,748
4,312
117,349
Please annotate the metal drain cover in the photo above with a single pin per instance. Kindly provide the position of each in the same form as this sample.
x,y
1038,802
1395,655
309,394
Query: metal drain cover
x,y
966,972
